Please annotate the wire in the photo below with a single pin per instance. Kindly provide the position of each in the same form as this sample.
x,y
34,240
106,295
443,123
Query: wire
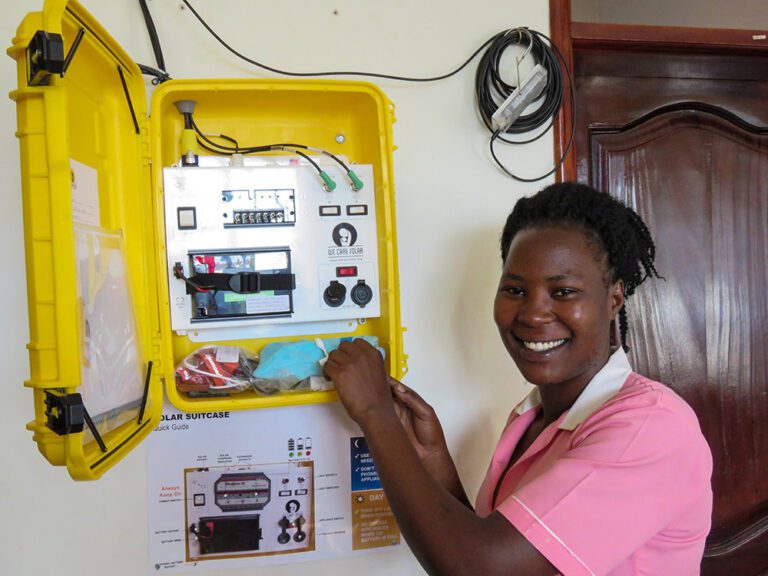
x,y
160,76
319,151
341,73
156,48
212,146
490,88
201,143
305,156
236,149
178,272
232,381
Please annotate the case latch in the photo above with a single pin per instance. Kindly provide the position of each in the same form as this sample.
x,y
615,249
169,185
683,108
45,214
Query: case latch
x,y
45,56
65,412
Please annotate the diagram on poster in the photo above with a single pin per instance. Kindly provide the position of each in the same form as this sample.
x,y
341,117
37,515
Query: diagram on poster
x,y
249,510
262,487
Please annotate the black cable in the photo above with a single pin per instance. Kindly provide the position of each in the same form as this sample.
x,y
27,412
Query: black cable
x,y
229,139
338,160
235,150
189,122
159,75
156,48
343,73
202,144
305,156
221,149
178,272
490,88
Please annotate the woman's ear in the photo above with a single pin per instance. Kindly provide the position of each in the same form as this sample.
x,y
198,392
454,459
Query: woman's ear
x,y
616,294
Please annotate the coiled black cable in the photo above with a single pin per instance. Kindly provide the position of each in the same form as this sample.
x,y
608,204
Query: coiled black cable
x,y
492,90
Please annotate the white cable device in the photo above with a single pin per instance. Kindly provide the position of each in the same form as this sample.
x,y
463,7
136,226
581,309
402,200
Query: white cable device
x,y
510,110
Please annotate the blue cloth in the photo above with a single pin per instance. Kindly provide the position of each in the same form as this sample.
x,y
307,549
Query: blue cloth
x,y
291,362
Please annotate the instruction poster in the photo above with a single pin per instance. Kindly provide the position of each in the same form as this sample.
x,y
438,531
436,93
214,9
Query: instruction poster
x,y
249,488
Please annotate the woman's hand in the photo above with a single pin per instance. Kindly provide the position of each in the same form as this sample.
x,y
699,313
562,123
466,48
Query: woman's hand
x,y
426,435
420,422
358,372
375,401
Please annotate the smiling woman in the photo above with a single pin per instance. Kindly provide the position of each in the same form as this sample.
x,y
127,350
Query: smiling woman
x,y
554,309
599,470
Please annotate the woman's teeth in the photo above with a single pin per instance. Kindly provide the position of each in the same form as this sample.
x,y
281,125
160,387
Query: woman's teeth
x,y
543,346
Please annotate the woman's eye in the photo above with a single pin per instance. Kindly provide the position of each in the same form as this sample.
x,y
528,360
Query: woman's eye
x,y
560,292
513,290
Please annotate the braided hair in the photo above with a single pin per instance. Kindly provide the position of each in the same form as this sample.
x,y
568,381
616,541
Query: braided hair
x,y
616,229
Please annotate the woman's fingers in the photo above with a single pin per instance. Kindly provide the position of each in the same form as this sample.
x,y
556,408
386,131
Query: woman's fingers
x,y
412,400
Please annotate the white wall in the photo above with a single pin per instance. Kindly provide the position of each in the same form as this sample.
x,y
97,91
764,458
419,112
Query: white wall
x,y
451,204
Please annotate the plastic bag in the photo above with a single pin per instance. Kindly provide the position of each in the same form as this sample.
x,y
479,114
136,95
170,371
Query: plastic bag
x,y
281,367
216,371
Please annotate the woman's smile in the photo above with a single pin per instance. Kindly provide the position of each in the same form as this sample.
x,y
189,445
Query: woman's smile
x,y
540,350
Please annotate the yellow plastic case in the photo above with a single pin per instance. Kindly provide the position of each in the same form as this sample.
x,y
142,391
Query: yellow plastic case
x,y
96,114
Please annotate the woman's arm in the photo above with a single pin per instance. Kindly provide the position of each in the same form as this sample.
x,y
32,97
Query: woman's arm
x,y
446,536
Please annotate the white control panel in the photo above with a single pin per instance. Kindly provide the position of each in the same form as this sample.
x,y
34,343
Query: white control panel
x,y
265,249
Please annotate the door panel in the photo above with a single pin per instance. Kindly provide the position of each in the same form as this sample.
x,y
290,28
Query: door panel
x,y
681,136
689,173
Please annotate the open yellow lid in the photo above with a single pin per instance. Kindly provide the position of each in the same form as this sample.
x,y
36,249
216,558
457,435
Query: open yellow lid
x,y
88,226
102,343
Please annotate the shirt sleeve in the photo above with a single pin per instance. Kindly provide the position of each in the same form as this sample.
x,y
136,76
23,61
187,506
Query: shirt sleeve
x,y
625,478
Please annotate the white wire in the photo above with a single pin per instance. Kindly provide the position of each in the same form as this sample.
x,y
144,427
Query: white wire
x,y
234,382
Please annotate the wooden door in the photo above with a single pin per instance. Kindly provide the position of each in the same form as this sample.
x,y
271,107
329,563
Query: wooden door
x,y
677,127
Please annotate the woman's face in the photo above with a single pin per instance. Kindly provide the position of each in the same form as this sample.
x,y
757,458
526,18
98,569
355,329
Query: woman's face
x,y
554,306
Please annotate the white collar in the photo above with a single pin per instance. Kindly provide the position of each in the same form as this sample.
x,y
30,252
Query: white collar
x,y
603,386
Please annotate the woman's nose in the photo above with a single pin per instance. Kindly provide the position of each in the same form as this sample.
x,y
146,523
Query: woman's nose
x,y
536,309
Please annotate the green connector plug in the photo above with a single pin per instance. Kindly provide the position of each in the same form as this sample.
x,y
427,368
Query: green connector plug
x,y
330,185
357,184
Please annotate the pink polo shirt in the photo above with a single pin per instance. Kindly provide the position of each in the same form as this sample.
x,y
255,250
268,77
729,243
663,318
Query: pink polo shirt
x,y
618,485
